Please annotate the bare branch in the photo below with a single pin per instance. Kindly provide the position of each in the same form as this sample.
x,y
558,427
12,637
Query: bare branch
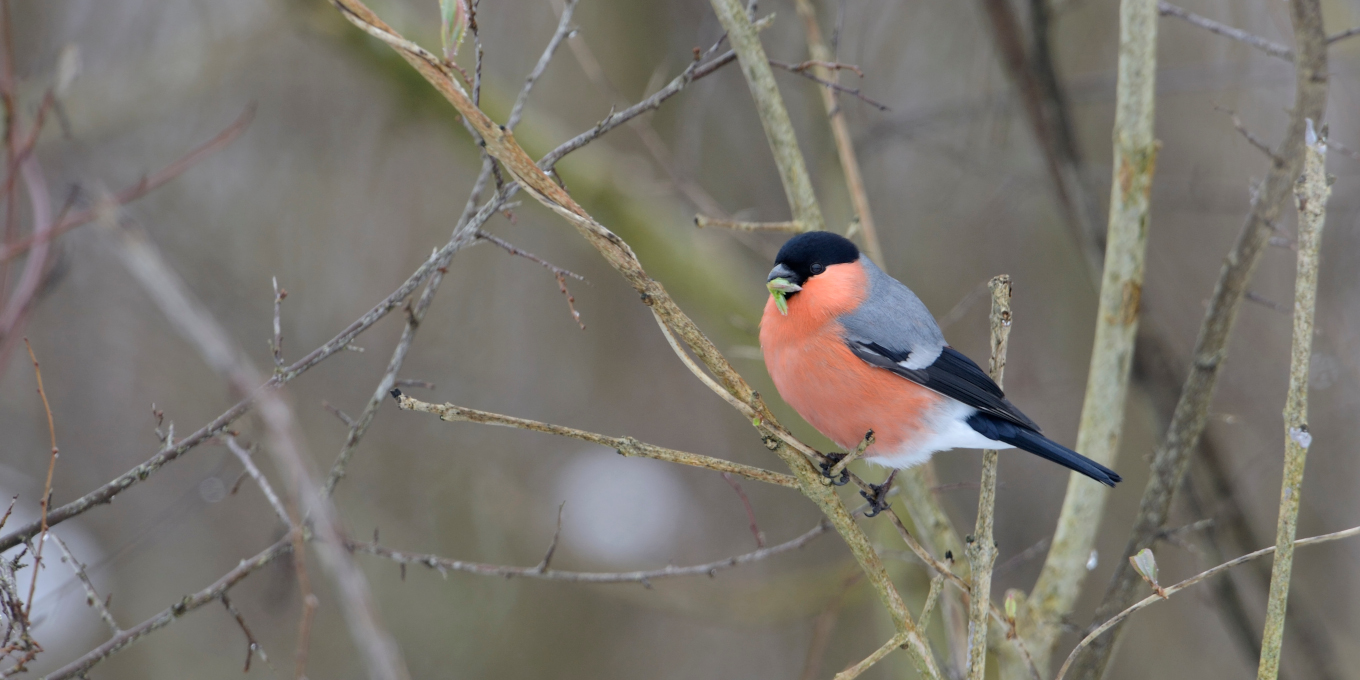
x,y
1172,456
1064,571
91,595
564,30
710,569
1274,49
252,645
1172,590
703,221
626,446
558,273
345,338
47,486
244,456
212,593
823,65
746,504
801,69
277,344
773,116
981,551
1310,198
134,192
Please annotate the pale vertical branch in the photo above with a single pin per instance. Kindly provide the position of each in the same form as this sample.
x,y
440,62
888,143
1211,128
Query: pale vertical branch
x,y
1310,197
845,146
982,549
1172,457
1107,382
773,116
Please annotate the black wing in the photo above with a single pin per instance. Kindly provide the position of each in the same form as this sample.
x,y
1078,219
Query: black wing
x,y
951,374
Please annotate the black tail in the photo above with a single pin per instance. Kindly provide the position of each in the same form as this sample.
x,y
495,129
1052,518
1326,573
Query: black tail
x,y
1039,445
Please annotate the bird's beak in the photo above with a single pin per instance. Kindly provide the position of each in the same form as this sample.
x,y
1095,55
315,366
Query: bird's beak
x,y
781,285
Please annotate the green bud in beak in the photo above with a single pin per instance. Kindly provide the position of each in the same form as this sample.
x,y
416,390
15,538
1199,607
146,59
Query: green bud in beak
x,y
780,289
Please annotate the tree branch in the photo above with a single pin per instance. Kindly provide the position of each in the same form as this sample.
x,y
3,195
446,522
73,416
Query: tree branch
x,y
840,131
212,593
710,569
1187,423
981,550
1310,197
626,446
1274,49
501,144
773,116
1172,590
1102,417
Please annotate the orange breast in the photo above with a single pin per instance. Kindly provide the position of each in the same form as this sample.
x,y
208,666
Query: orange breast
x,y
817,374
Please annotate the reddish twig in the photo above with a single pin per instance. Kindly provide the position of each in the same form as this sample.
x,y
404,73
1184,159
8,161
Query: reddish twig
x,y
252,646
146,185
750,511
47,487
799,69
558,273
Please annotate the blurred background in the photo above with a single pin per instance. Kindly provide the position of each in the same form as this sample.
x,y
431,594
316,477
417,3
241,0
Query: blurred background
x,y
353,170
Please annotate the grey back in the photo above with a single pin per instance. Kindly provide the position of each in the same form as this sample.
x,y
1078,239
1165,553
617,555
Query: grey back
x,y
894,319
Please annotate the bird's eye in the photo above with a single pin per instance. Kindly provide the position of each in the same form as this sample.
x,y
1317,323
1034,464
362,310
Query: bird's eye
x,y
817,268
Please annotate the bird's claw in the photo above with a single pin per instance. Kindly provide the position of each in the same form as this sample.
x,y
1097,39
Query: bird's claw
x,y
878,500
831,460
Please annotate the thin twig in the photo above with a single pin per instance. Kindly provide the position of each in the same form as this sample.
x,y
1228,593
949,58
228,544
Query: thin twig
x,y
1172,590
82,665
542,188
552,547
746,504
801,69
943,569
443,564
252,645
1310,198
558,273
1274,49
823,626
792,227
244,456
47,486
1247,134
852,456
981,551
143,187
91,595
858,669
277,344
626,446
564,30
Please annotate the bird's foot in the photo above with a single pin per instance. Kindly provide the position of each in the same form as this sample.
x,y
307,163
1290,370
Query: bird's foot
x,y
831,460
878,500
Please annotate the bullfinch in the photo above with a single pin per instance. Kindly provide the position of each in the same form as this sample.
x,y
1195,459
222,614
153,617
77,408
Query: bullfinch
x,y
853,350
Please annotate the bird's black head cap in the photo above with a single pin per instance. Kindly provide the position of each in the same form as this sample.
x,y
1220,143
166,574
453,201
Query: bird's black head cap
x,y
809,254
